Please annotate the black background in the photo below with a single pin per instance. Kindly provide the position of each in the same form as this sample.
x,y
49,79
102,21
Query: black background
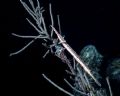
x,y
83,22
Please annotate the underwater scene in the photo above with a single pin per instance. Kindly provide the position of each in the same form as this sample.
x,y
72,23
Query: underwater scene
x,y
64,48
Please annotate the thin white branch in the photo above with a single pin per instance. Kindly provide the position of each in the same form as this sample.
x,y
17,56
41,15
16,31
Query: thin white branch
x,y
31,2
74,64
40,32
69,72
21,36
46,53
74,88
28,9
38,4
58,18
44,25
81,77
87,81
107,79
61,89
22,49
51,16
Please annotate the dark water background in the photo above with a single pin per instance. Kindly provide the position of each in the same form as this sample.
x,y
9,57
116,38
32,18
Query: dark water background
x,y
83,22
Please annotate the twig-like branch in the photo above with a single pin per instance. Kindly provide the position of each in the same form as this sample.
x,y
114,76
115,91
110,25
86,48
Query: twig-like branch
x,y
58,17
83,81
38,3
51,16
107,79
28,9
30,37
46,53
40,32
22,49
43,34
44,25
69,72
87,81
32,4
61,89
75,88
74,64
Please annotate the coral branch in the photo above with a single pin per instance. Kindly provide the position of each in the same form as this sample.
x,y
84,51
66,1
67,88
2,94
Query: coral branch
x,y
61,89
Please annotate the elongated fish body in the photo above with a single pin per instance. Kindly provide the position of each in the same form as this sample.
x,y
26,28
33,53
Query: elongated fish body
x,y
74,54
